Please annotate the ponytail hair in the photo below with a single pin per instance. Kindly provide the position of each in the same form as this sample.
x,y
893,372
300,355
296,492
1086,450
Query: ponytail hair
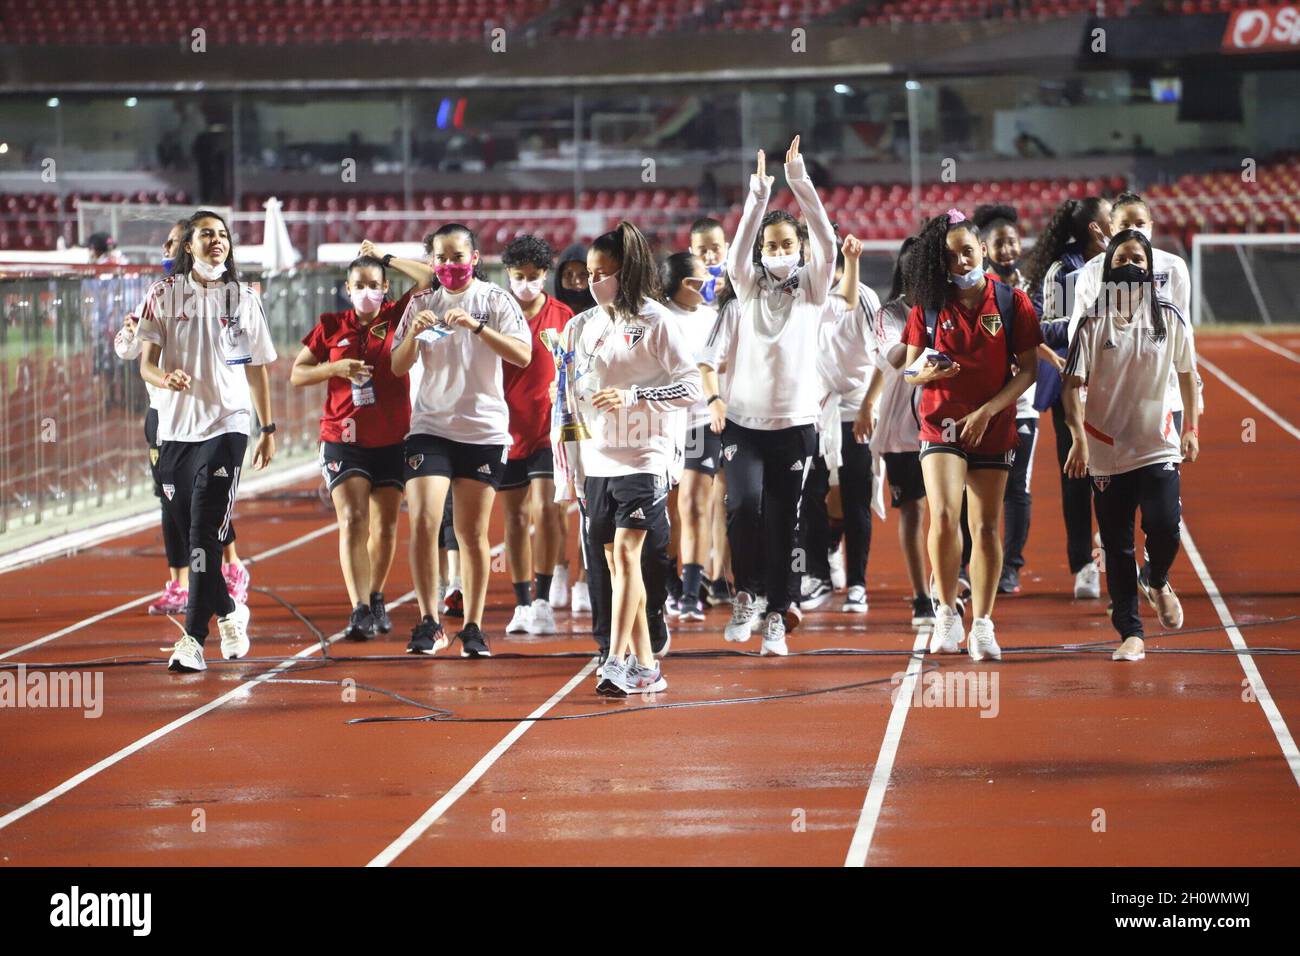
x,y
926,279
1068,224
990,217
674,270
456,229
638,275
1128,198
1158,330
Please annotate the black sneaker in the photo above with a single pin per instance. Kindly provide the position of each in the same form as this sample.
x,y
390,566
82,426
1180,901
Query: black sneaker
x,y
427,637
361,625
922,611
719,593
963,585
1009,583
383,623
473,643
661,639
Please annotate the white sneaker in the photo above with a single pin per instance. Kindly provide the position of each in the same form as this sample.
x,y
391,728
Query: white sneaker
x,y
234,632
856,600
559,595
948,631
774,636
982,643
581,598
760,612
187,655
838,577
1087,583
743,612
1133,649
543,618
520,620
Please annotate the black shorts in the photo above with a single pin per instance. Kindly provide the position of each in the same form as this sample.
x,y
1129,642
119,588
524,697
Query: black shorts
x,y
429,456
155,448
625,501
383,467
520,471
703,450
906,481
1002,462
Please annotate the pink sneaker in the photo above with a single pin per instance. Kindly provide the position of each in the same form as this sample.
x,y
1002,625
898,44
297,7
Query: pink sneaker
x,y
174,600
237,581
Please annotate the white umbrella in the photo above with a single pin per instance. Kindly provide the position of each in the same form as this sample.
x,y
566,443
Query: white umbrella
x,y
278,252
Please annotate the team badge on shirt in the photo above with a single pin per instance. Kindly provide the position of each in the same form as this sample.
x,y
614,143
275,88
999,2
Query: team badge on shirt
x,y
169,491
1101,481
379,330
633,334
153,456
415,461
333,466
992,323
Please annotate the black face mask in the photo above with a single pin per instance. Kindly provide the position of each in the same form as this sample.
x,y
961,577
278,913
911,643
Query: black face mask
x,y
1129,273
1005,273
579,300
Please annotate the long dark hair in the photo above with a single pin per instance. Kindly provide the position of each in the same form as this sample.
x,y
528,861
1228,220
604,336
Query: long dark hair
x,y
674,270
185,260
897,283
926,280
775,218
1068,224
638,276
1098,307
456,229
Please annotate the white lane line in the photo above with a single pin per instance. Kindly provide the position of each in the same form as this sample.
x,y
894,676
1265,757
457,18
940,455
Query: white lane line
x,y
1266,703
435,812
95,619
880,775
1228,380
1272,346
244,688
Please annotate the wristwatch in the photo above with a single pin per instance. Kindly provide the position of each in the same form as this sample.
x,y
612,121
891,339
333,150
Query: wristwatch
x,y
268,429
482,324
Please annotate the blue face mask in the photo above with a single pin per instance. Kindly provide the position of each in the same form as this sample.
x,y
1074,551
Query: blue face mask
x,y
968,281
168,265
709,290
715,271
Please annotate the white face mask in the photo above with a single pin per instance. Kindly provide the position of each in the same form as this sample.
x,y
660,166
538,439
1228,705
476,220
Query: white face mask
x,y
208,272
605,290
526,290
365,301
1146,231
781,266
967,280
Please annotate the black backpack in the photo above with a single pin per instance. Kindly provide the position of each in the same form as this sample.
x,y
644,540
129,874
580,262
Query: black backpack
x,y
1005,300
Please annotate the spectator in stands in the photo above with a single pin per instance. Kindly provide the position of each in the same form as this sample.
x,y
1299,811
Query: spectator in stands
x,y
1032,147
104,251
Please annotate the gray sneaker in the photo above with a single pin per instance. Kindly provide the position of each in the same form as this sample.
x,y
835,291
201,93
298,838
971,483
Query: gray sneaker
x,y
774,636
742,615
640,679
613,679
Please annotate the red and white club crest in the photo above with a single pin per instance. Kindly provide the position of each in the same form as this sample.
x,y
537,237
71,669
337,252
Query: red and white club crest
x,y
633,334
1101,481
729,452
169,491
333,465
415,461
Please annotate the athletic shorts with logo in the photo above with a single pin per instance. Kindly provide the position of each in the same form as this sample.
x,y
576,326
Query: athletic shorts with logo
x,y
520,471
906,480
703,450
637,501
383,467
430,455
999,462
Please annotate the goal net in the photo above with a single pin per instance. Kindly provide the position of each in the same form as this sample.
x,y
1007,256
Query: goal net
x,y
138,228
1246,278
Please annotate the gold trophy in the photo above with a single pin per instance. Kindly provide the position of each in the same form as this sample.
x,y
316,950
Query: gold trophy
x,y
565,416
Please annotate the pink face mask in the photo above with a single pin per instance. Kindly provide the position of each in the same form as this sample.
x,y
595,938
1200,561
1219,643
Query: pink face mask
x,y
365,301
605,290
453,275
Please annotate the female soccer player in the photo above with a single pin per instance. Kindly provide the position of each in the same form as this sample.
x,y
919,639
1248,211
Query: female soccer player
x,y
686,280
781,283
362,432
528,486
1124,349
460,332
1077,231
208,329
634,372
979,327
894,433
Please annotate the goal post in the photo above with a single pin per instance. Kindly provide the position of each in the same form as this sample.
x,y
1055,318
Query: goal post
x,y
139,229
1246,278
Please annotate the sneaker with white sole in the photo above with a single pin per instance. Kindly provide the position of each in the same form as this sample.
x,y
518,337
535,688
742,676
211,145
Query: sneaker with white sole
x,y
234,632
559,596
580,598
1169,610
613,678
673,606
855,602
175,599
922,610
743,611
1132,649
948,631
838,576
237,581
982,642
1087,582
816,592
427,637
640,679
774,636
760,612
543,618
520,619
187,655
691,609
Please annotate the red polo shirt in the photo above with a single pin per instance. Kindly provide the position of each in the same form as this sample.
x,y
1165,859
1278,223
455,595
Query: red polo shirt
x,y
527,389
338,335
977,342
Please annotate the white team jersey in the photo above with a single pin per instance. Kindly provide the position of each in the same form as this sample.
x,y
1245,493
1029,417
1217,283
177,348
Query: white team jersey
x,y
696,325
1025,403
848,349
461,394
1128,418
649,360
898,425
128,347
1168,274
774,377
211,333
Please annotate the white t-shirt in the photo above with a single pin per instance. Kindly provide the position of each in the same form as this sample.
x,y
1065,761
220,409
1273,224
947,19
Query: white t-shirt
x,y
846,360
461,394
898,423
696,325
1168,274
128,347
211,333
1128,418
650,360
